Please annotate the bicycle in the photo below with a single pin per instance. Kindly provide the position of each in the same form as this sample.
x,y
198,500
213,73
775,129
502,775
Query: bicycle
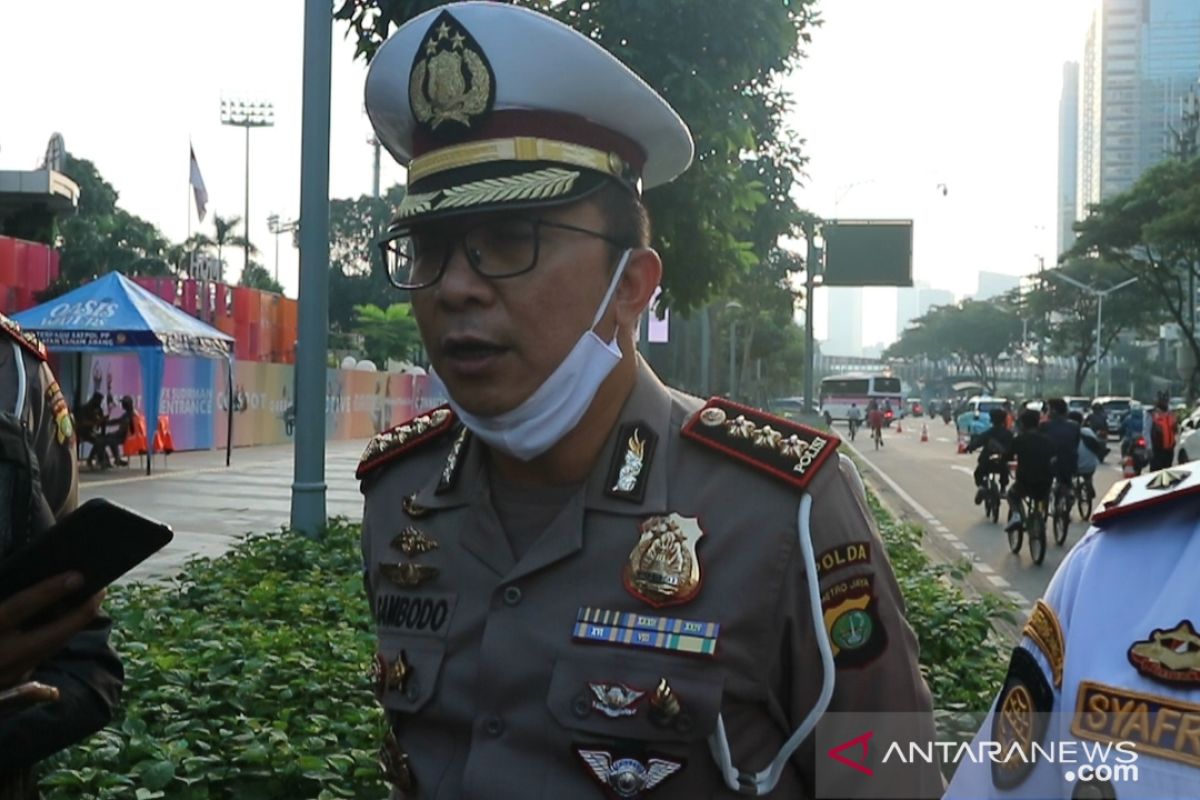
x,y
991,497
877,436
1033,517
1063,500
853,428
1085,496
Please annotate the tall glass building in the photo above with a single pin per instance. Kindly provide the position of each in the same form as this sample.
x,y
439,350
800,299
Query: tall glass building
x,y
1141,59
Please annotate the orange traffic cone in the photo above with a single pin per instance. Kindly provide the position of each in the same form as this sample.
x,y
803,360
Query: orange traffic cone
x,y
924,432
1127,470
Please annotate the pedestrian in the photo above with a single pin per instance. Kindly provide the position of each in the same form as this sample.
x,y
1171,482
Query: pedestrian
x,y
1162,433
66,665
875,421
585,583
1107,671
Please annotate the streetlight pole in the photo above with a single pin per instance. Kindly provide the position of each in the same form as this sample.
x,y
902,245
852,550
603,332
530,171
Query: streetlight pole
x,y
1099,294
276,227
243,114
733,305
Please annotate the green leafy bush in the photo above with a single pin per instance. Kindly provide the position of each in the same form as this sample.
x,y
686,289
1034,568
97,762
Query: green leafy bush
x,y
245,679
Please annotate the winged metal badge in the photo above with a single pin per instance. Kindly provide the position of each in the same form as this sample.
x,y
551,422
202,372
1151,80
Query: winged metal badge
x,y
628,778
615,699
408,575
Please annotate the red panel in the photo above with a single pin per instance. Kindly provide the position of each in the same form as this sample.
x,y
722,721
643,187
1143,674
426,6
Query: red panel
x,y
8,261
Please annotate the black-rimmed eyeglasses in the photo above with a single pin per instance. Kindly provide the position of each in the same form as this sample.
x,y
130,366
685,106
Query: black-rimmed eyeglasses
x,y
500,248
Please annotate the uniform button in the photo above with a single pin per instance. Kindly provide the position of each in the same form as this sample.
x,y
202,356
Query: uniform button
x,y
512,595
493,726
581,706
413,690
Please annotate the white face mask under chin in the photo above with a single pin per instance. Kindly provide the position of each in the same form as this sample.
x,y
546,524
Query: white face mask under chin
x,y
557,406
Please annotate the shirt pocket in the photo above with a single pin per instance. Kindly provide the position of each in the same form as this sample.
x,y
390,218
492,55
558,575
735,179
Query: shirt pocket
x,y
407,671
639,706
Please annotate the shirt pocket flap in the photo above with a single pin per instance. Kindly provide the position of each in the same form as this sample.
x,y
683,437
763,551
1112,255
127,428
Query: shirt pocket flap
x,y
406,671
629,698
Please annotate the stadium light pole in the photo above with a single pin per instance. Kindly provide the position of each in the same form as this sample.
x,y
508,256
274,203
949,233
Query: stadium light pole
x,y
1099,294
245,114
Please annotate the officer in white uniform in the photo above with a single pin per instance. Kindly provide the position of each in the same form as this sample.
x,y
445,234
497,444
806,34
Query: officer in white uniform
x,y
1107,674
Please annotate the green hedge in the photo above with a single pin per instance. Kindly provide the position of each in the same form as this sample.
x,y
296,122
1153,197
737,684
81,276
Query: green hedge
x,y
247,677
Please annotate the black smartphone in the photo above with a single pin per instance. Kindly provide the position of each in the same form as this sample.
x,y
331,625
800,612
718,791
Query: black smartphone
x,y
101,540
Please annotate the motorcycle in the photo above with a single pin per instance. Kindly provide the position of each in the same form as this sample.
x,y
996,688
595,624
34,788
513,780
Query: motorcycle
x,y
1138,450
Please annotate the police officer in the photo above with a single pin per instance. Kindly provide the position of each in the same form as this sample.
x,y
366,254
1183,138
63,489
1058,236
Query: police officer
x,y
586,583
61,681
1107,673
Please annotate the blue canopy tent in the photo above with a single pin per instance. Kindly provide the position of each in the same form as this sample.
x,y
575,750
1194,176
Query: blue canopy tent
x,y
114,313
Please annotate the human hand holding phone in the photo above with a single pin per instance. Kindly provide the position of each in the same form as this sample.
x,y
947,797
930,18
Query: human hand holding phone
x,y
23,647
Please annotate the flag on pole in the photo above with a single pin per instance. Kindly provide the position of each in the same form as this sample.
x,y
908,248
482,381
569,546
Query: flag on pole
x,y
198,187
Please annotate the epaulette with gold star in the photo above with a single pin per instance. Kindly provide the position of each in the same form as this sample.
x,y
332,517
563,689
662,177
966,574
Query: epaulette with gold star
x,y
779,447
1148,491
389,445
23,338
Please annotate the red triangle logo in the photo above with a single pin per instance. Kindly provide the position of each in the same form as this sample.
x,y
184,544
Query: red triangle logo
x,y
836,753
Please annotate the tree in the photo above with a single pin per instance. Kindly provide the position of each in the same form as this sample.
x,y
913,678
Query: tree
x,y
973,336
356,271
1152,231
387,333
102,237
255,276
1071,312
227,236
719,64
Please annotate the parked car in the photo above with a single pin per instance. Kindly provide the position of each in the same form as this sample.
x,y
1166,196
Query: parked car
x,y
1077,403
1188,448
1116,409
975,417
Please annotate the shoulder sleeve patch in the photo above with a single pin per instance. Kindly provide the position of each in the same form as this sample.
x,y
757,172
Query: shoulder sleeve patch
x,y
779,447
1148,491
24,338
395,442
1046,632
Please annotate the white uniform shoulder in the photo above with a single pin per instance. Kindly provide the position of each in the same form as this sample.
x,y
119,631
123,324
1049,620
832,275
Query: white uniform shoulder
x,y
1157,490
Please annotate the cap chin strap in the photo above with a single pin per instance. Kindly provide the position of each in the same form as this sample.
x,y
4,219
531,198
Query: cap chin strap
x,y
764,782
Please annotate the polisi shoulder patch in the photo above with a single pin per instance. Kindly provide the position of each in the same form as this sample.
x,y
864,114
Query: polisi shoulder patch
x,y
24,338
389,445
779,447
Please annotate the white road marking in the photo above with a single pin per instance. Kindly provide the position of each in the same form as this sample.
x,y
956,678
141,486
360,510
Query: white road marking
x,y
961,546
998,581
180,473
895,487
941,439
984,568
1017,597
961,468
948,535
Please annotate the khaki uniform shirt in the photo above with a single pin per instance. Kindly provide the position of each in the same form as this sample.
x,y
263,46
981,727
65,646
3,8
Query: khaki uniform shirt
x,y
86,671
494,698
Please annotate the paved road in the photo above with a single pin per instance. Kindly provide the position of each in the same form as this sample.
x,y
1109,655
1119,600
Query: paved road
x,y
930,484
211,506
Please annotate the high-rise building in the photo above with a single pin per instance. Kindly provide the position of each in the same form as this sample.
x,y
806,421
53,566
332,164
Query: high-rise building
x,y
1141,59
844,323
994,284
916,302
1068,153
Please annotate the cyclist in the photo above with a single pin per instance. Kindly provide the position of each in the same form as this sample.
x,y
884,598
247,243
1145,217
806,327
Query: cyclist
x,y
1034,453
875,423
993,445
1091,452
854,418
1064,434
1098,421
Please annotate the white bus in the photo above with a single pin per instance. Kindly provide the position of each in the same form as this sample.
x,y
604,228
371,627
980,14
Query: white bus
x,y
839,391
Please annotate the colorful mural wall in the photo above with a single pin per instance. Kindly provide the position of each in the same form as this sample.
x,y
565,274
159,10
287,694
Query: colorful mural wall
x,y
195,397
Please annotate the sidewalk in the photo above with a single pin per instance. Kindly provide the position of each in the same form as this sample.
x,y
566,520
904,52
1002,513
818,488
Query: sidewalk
x,y
211,506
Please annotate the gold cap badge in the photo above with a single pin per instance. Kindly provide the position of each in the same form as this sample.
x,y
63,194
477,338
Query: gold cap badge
x,y
451,88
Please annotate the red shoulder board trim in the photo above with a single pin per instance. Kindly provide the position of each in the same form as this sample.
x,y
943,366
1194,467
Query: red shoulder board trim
x,y
1148,491
23,338
394,442
774,445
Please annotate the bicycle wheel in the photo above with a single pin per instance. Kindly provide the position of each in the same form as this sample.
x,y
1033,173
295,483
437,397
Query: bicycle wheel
x,y
1014,538
993,504
1037,538
1085,503
1062,520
